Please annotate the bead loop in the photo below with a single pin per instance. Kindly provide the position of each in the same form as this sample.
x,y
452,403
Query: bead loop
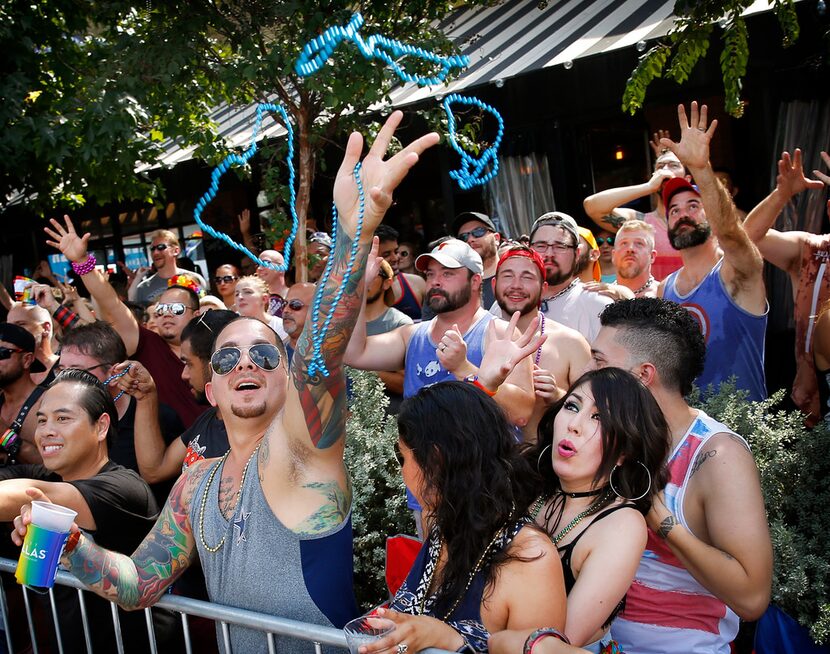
x,y
472,168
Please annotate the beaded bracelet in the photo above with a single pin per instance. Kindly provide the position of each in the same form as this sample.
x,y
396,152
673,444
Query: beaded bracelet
x,y
539,634
86,267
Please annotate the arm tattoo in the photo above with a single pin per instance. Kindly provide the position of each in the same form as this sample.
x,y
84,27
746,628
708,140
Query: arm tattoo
x,y
613,219
324,398
666,526
702,458
139,581
330,514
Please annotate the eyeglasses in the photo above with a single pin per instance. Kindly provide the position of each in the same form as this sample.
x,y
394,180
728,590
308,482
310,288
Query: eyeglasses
x,y
225,279
398,455
404,253
296,305
172,308
59,368
556,246
478,232
161,247
608,239
263,355
6,353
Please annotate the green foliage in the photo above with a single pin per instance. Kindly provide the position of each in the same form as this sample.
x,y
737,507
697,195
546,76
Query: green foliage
x,y
793,464
377,486
688,41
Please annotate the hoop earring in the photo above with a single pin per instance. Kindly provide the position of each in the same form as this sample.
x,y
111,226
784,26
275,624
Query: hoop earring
x,y
541,454
620,495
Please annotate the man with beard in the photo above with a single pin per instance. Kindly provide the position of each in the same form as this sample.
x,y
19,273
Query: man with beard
x,y
21,397
295,312
38,322
721,281
479,232
633,256
159,352
561,358
555,237
164,251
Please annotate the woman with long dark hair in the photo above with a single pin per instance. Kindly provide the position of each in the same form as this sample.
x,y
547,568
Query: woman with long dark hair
x,y
601,453
484,566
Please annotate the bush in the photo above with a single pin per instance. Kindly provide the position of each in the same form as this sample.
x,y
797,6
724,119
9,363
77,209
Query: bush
x,y
379,497
794,478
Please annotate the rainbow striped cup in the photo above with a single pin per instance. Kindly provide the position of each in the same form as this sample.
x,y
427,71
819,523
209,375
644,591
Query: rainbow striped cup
x,y
43,545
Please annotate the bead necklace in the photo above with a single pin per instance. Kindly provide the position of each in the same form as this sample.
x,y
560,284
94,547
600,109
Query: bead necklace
x,y
114,377
650,281
541,333
219,545
579,517
547,301
537,505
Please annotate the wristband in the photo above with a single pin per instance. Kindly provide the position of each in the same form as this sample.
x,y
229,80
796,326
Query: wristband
x,y
72,542
85,267
473,379
539,634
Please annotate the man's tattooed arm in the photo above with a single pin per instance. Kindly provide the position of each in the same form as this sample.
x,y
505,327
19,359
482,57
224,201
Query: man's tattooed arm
x,y
140,580
331,513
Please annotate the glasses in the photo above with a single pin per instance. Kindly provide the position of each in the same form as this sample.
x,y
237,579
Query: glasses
x,y
59,368
555,246
172,308
225,279
608,239
6,353
161,247
398,455
263,355
478,232
296,305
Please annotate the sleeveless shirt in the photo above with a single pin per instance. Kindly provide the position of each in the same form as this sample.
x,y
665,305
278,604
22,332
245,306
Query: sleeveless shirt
x,y
264,566
667,611
734,337
408,303
668,259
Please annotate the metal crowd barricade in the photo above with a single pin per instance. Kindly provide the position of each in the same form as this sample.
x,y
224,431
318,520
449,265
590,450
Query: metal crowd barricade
x,y
225,616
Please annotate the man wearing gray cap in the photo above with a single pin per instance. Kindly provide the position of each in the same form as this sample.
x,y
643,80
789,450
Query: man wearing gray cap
x,y
20,397
462,342
555,236
479,232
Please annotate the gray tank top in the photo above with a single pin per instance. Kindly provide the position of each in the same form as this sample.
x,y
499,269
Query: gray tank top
x,y
264,566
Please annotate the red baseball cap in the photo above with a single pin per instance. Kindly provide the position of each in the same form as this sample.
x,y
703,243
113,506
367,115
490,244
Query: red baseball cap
x,y
677,185
522,251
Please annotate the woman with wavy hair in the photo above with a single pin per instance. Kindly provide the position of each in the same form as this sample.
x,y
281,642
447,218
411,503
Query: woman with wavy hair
x,y
601,453
484,566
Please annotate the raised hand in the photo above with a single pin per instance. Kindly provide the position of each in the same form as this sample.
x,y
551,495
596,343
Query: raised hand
x,y
824,177
373,263
657,147
695,136
44,297
43,270
379,178
791,180
137,382
245,221
505,349
66,239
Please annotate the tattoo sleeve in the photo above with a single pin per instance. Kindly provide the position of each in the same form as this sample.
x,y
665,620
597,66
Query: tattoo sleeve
x,y
666,526
140,580
330,514
324,398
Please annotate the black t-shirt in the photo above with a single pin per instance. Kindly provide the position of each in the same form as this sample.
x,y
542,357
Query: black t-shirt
x,y
124,511
206,438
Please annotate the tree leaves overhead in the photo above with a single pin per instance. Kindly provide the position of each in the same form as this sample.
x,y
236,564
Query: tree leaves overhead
x,y
689,39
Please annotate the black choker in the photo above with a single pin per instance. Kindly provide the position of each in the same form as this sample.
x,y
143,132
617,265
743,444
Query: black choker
x,y
589,493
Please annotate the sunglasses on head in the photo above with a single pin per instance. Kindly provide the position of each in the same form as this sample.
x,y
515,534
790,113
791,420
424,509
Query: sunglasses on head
x,y
607,239
263,355
478,232
173,308
225,279
161,247
296,305
6,353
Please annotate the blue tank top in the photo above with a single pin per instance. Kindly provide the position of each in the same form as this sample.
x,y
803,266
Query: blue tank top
x,y
734,337
408,303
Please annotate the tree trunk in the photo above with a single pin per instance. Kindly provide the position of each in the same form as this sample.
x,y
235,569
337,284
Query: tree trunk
x,y
305,171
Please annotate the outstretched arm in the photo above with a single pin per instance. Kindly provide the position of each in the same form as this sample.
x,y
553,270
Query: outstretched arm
x,y
316,404
74,247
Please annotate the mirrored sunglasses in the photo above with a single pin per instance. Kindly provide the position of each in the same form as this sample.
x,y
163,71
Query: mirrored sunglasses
x,y
296,305
263,355
478,232
173,308
607,239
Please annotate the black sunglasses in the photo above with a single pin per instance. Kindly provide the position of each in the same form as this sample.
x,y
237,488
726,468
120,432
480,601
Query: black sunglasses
x,y
225,279
296,305
263,355
6,353
478,232
161,247
175,308
608,239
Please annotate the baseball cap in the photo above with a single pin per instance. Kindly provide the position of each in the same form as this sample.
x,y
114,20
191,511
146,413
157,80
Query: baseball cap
x,y
523,251
675,185
557,219
16,335
452,253
320,237
586,233
467,216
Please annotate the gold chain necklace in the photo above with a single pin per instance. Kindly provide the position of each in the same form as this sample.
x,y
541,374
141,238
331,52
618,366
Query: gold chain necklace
x,y
579,517
219,545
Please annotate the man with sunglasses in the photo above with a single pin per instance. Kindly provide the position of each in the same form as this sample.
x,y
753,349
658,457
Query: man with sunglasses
x,y
20,396
270,521
164,251
159,350
295,312
479,232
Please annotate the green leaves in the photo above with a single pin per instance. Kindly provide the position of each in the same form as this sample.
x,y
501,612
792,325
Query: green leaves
x,y
733,60
649,68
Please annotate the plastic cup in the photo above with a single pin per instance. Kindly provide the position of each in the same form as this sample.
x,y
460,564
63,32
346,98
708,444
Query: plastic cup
x,y
365,630
43,545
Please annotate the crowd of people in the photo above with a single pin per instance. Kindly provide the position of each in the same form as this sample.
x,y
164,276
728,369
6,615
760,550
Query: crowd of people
x,y
568,497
